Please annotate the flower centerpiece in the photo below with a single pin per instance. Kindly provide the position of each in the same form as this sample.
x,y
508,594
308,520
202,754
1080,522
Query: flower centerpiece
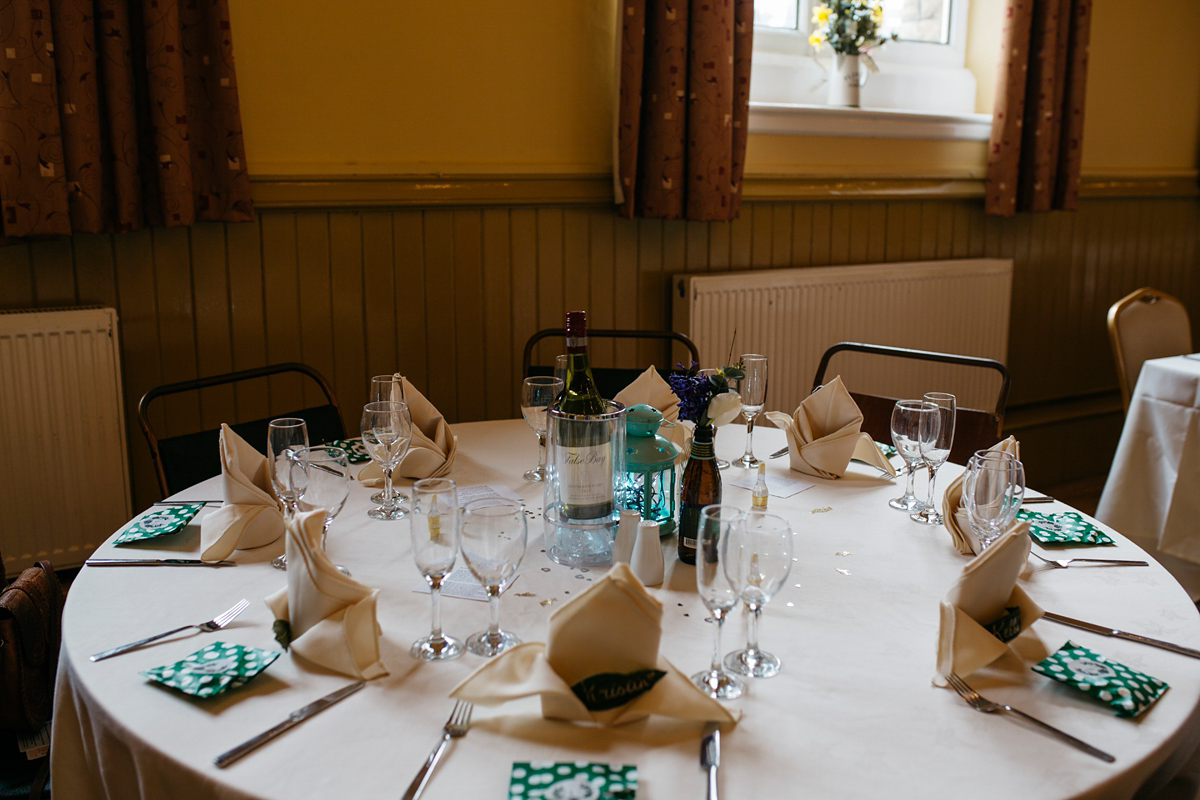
x,y
706,398
851,28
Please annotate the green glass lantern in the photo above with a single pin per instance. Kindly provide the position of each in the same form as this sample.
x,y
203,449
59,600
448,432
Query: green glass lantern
x,y
648,483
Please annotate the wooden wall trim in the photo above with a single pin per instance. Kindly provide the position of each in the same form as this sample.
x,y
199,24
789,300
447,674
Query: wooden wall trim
x,y
395,191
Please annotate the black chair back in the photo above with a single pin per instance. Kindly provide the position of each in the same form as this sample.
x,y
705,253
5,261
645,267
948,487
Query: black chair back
x,y
609,380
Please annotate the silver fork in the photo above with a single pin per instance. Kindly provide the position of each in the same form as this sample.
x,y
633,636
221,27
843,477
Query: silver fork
x,y
214,624
1063,563
456,726
981,703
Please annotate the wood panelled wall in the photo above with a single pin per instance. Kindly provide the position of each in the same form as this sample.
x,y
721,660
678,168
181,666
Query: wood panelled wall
x,y
449,295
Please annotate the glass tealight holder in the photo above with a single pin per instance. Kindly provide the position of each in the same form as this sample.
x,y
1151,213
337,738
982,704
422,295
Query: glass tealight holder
x,y
648,485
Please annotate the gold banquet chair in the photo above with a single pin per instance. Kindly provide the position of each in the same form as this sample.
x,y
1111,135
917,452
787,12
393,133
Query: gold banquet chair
x,y
1142,325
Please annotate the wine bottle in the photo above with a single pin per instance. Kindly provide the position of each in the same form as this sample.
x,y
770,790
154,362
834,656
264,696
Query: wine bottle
x,y
701,487
584,457
758,498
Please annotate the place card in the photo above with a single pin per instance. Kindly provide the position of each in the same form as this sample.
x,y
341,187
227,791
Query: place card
x,y
1128,692
356,451
468,493
462,584
777,486
572,780
1062,528
161,522
213,669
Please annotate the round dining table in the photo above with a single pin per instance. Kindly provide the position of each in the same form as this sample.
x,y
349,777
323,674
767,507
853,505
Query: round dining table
x,y
852,714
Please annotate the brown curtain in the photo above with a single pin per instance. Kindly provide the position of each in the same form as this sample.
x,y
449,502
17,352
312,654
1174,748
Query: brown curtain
x,y
1037,125
117,114
683,108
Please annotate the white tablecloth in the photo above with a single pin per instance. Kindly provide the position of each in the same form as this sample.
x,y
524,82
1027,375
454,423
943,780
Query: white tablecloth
x,y
852,715
1152,494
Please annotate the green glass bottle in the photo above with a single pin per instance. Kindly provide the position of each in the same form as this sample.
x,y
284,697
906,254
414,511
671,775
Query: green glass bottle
x,y
701,486
585,474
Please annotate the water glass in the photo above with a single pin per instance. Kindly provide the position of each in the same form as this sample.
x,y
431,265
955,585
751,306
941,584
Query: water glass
x,y
323,472
386,433
936,438
993,488
752,388
719,596
906,437
494,534
435,541
757,557
537,395
285,436
385,388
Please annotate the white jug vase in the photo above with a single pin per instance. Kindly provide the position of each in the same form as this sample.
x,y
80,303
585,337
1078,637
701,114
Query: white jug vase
x,y
846,80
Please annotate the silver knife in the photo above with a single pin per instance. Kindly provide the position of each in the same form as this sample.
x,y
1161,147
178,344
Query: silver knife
x,y
710,758
155,562
293,719
1113,632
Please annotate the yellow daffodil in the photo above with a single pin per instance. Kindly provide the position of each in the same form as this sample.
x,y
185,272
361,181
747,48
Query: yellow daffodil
x,y
877,13
821,14
816,40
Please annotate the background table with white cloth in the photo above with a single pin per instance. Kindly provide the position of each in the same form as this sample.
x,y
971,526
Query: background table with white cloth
x,y
1152,494
852,715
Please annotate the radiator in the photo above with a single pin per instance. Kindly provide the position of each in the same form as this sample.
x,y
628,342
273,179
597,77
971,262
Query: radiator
x,y
64,486
793,315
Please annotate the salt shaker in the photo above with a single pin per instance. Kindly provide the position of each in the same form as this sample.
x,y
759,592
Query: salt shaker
x,y
647,562
626,536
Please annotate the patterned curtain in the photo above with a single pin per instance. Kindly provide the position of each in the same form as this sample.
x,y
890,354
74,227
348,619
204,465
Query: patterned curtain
x,y
683,107
117,114
1037,125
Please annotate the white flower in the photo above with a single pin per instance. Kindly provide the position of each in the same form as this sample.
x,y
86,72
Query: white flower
x,y
724,407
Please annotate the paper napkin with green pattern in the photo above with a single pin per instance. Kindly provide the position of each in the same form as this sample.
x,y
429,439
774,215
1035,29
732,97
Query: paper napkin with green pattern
x,y
1126,690
161,522
572,780
213,669
1067,527
356,452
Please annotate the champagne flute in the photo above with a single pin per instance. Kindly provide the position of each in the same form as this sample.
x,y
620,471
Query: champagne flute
x,y
993,489
538,394
284,436
716,522
325,476
906,436
937,436
386,433
385,388
560,367
435,541
757,557
753,390
493,544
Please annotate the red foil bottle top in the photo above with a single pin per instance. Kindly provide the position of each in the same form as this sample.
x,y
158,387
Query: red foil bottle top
x,y
576,323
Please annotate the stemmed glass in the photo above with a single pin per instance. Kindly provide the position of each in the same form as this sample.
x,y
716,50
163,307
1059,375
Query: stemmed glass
x,y
538,394
284,436
386,388
757,557
324,473
493,544
560,368
435,539
753,390
716,522
937,436
386,433
906,436
993,489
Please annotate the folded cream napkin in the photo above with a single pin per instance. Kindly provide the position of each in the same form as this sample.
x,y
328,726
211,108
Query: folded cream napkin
x,y
985,609
601,663
330,616
955,516
651,389
250,516
433,445
825,433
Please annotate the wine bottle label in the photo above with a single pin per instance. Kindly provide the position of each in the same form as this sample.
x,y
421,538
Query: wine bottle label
x,y
759,501
585,475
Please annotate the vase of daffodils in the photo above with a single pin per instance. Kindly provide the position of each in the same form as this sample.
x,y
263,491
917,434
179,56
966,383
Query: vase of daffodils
x,y
851,28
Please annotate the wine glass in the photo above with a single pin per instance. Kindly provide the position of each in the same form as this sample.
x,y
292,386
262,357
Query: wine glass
x,y
753,390
710,372
383,389
906,436
284,436
538,394
937,436
757,557
993,489
435,540
325,477
386,433
560,367
493,544
715,524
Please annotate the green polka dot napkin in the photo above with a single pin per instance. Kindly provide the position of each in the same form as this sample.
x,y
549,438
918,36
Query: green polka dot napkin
x,y
214,669
1065,528
887,450
356,453
572,780
1126,690
162,522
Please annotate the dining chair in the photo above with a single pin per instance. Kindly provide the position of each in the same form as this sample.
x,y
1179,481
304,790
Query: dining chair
x,y
1142,325
609,380
974,429
185,459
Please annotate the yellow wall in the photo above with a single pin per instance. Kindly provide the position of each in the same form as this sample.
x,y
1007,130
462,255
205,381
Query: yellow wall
x,y
478,87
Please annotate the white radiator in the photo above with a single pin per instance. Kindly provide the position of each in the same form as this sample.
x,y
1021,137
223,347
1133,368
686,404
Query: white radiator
x,y
64,483
793,315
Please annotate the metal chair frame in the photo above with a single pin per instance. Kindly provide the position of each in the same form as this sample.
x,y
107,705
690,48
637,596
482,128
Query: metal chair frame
x,y
1147,296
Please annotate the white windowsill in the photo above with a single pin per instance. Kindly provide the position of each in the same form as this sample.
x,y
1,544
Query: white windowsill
x,y
881,123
